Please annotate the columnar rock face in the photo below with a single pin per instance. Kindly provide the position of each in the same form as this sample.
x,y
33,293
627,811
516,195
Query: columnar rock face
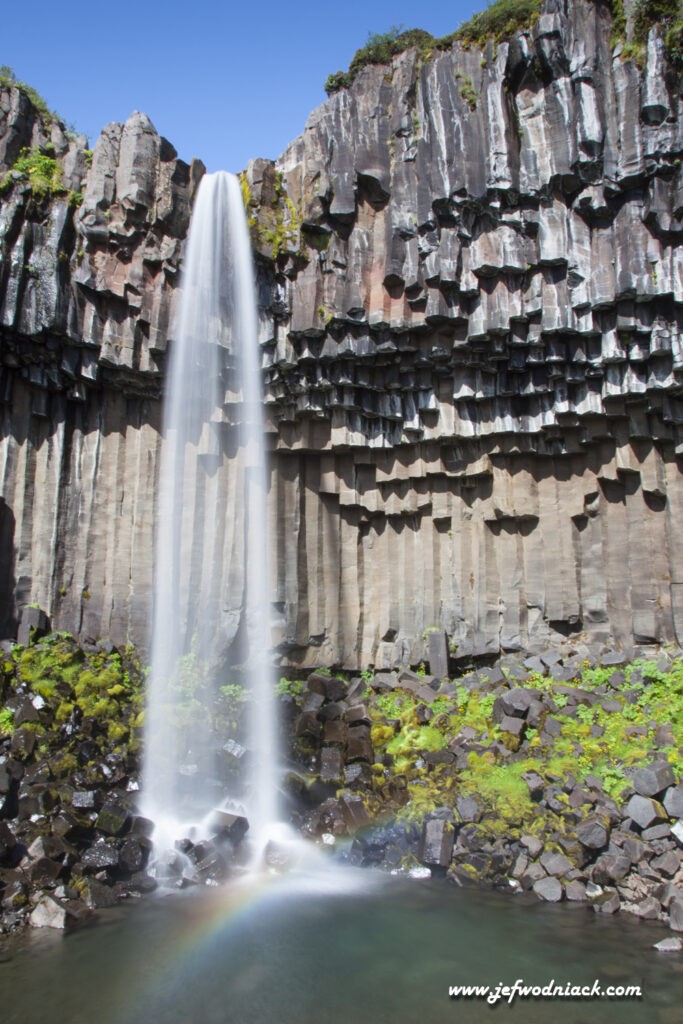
x,y
470,281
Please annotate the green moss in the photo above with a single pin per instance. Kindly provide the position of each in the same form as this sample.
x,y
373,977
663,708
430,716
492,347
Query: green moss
x,y
499,787
275,227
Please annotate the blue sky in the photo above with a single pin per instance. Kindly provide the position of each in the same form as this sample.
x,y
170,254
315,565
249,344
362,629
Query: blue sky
x,y
224,85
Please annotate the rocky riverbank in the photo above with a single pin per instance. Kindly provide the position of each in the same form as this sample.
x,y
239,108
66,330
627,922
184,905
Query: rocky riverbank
x,y
557,773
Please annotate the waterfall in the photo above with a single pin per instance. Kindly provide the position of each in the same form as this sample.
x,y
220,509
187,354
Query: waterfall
x,y
211,569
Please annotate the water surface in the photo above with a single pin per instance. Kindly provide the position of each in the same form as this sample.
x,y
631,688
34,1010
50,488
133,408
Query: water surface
x,y
332,948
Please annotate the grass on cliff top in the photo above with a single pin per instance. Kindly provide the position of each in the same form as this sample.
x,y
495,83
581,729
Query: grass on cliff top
x,y
500,20
8,80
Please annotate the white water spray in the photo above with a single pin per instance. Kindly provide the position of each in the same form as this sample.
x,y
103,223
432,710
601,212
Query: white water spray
x,y
211,567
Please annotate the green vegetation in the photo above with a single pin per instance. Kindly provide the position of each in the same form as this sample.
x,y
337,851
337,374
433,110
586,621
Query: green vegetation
x,y
289,687
8,80
467,91
500,20
607,743
103,688
6,722
277,225
43,173
668,14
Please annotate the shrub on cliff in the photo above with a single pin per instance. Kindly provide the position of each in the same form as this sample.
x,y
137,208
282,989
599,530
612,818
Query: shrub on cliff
x,y
499,21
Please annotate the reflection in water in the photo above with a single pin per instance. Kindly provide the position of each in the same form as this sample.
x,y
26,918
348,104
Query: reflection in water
x,y
329,946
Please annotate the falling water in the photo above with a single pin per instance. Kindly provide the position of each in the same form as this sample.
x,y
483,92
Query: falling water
x,y
212,486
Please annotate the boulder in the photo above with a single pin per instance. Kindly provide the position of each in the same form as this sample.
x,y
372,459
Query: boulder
x,y
673,801
436,845
228,826
653,778
593,832
645,811
548,889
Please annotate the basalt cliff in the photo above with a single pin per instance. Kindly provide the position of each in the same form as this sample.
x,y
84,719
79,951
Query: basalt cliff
x,y
470,295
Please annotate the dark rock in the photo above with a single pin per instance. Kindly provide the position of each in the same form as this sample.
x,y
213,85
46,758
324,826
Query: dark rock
x,y
667,864
84,800
229,826
358,715
359,748
22,744
140,826
335,689
438,653
44,871
142,882
645,811
575,891
385,681
556,863
676,914
493,676
354,812
100,857
307,724
610,868
513,704
513,726
648,909
332,711
655,832
96,895
614,658
673,801
436,846
336,731
213,867
607,903
533,844
435,757
593,832
112,819
313,702
25,712
468,808
8,840
653,778
548,889
357,774
535,783
132,856
331,764
33,624
533,873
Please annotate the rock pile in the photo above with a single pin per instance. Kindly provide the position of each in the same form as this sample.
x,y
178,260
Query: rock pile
x,y
556,774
